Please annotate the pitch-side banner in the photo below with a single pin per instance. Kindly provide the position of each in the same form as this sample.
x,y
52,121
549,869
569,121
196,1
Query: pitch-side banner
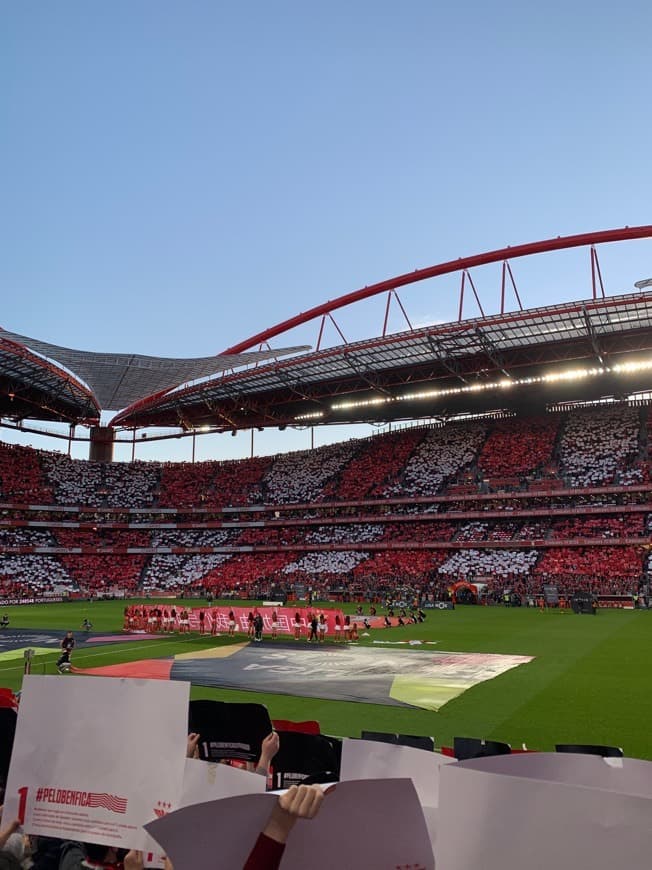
x,y
87,759
285,618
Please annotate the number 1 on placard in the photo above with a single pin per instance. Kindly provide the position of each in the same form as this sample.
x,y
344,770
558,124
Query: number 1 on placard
x,y
22,804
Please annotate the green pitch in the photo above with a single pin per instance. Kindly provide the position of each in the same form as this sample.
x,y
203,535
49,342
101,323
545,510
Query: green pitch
x,y
588,683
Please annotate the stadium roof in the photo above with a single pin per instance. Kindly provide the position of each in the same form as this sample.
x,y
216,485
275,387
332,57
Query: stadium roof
x,y
469,366
437,370
120,379
32,387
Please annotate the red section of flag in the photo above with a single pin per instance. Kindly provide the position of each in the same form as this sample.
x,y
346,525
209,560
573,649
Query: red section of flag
x,y
108,801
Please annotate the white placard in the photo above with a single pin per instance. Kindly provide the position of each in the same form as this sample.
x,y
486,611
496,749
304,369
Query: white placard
x,y
496,821
368,824
95,759
627,776
205,781
370,759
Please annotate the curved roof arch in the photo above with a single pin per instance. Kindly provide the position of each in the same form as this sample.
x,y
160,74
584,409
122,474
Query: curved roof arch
x,y
445,368
461,264
320,386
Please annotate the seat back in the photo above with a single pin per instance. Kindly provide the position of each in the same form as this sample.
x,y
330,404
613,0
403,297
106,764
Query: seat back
x,y
590,749
379,736
473,747
229,731
417,742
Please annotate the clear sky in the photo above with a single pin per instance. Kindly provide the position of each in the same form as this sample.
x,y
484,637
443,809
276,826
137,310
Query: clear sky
x,y
179,175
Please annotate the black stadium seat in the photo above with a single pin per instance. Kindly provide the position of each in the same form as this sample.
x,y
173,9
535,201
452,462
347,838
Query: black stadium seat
x,y
413,740
379,736
590,749
465,748
417,742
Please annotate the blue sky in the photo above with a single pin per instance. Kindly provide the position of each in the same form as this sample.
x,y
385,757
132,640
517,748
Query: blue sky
x,y
179,175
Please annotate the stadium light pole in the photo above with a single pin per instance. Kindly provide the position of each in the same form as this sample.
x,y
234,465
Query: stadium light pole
x,y
646,282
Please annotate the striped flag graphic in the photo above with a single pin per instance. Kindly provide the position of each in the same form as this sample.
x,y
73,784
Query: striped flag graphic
x,y
108,801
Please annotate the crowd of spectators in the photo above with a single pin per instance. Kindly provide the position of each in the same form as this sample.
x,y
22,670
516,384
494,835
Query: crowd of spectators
x,y
30,574
596,444
350,533
241,482
170,571
21,478
518,447
98,573
338,562
302,476
175,570
391,567
134,484
533,531
73,481
472,532
377,464
419,533
213,484
625,526
471,563
245,569
22,536
585,448
438,458
598,562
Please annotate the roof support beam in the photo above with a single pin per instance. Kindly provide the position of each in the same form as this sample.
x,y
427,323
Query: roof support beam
x,y
595,344
492,352
447,361
374,384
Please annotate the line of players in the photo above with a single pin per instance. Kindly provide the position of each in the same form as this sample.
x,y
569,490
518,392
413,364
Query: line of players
x,y
170,619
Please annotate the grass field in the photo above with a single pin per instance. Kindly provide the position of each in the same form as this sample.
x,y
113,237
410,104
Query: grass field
x,y
588,683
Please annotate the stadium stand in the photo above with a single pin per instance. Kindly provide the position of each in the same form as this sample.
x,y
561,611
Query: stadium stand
x,y
518,447
596,445
376,466
512,500
440,456
21,478
301,477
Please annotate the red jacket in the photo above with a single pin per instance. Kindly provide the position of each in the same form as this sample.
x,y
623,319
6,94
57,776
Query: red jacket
x,y
266,854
